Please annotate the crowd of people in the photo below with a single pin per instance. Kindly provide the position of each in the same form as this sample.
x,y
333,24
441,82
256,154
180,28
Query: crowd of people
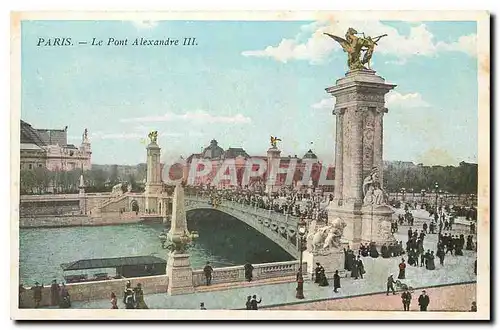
x,y
133,298
59,295
299,204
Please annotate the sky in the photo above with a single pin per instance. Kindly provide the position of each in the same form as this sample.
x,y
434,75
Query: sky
x,y
244,81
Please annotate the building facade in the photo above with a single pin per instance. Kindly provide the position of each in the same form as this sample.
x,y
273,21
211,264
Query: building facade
x,y
49,148
216,155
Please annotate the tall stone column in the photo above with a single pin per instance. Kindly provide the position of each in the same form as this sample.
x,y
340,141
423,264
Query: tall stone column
x,y
356,182
339,170
154,184
361,94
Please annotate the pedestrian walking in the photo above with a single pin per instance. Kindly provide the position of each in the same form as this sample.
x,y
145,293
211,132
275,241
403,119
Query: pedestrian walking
x,y
402,270
254,303
336,281
37,294
208,270
406,298
390,284
423,301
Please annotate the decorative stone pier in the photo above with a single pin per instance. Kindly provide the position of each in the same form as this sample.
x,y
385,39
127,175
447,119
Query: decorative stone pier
x,y
179,271
154,183
273,157
359,199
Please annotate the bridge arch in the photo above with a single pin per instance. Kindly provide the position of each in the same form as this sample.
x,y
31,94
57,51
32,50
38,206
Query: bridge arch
x,y
277,227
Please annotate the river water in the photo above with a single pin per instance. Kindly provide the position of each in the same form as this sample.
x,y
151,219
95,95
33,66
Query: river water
x,y
224,241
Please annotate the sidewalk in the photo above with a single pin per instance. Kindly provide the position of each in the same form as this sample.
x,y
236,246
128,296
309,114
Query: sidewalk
x,y
455,270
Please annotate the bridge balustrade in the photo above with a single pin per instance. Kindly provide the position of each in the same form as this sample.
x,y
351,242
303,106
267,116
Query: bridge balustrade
x,y
261,271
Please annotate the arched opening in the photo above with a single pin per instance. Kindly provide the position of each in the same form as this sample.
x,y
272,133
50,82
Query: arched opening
x,y
228,241
134,206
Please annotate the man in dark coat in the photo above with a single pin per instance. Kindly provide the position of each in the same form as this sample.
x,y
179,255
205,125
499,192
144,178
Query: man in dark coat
x,y
207,270
390,284
355,270
254,303
248,271
37,294
336,281
423,301
249,302
406,298
54,293
410,233
385,251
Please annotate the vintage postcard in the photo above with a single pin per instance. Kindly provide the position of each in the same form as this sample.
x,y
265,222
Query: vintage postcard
x,y
250,165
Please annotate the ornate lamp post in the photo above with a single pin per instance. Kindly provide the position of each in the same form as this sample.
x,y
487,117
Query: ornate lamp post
x,y
436,187
301,229
403,192
422,192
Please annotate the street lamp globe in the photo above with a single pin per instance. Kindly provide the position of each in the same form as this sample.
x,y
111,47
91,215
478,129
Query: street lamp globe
x,y
302,228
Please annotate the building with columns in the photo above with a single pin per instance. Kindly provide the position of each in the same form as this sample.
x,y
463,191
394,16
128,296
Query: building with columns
x,y
49,148
216,155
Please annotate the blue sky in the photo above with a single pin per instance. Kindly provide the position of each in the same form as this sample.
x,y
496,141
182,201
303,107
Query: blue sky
x,y
245,81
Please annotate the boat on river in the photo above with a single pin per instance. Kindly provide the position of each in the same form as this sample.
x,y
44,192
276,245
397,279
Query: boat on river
x,y
122,267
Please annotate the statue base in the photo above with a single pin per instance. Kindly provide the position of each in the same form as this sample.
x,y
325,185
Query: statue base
x,y
332,261
180,274
364,224
377,225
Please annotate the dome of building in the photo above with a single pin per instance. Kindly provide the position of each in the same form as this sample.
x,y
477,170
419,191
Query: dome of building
x,y
310,155
213,151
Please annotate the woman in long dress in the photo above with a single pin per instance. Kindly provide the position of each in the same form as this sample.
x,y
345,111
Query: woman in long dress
x,y
114,301
139,297
430,261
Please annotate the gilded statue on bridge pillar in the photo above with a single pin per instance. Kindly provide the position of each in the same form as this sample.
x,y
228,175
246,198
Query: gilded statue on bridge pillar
x,y
354,45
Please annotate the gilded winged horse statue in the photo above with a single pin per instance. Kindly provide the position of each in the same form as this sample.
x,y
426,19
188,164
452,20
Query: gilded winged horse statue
x,y
354,45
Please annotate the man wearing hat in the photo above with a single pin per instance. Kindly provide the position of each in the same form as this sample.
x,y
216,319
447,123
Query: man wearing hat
x,y
423,301
390,284
37,294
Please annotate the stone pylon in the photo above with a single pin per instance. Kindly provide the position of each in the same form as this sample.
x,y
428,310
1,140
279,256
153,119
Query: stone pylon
x,y
154,185
359,110
179,271
273,157
81,195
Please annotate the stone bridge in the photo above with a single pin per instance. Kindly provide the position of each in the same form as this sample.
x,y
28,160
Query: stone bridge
x,y
280,228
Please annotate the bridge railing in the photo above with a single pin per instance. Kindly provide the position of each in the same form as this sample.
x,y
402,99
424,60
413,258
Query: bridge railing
x,y
253,209
261,271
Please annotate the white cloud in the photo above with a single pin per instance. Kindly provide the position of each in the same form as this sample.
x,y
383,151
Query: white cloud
x,y
410,100
146,24
317,47
192,117
325,104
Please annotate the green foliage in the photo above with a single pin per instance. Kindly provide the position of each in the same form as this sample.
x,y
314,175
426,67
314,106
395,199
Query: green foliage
x,y
460,179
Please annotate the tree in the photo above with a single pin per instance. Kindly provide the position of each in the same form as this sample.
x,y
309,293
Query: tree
x,y
27,182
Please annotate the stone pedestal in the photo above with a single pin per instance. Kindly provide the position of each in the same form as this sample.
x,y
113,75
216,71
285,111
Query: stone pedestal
x,y
180,274
331,262
376,226
359,110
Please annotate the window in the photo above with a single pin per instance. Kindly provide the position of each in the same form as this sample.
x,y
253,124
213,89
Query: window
x,y
39,165
30,166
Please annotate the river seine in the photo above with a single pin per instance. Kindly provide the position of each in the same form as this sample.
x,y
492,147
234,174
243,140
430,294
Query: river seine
x,y
224,241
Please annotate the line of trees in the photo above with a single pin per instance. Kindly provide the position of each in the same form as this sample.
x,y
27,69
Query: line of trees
x,y
461,179
40,180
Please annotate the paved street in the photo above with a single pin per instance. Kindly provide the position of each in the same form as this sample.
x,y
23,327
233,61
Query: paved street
x,y
443,299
